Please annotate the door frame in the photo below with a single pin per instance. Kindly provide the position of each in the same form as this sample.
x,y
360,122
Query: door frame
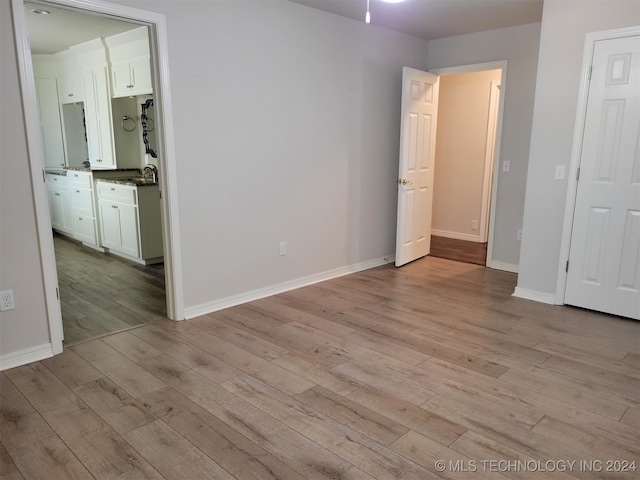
x,y
168,181
576,150
479,67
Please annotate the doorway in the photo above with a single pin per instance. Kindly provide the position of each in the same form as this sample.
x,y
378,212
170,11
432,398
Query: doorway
x,y
467,156
465,146
166,155
100,293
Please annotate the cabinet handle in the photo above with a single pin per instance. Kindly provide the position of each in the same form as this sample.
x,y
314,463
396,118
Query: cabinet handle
x,y
77,191
114,206
99,160
56,194
80,218
70,94
113,189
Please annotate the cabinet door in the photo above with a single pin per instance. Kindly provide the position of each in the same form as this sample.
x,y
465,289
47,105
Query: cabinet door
x,y
129,236
50,123
121,77
82,201
109,224
84,229
141,75
131,77
71,89
60,210
98,117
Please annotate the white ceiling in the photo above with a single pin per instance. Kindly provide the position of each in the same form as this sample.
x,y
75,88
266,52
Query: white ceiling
x,y
428,19
62,28
431,19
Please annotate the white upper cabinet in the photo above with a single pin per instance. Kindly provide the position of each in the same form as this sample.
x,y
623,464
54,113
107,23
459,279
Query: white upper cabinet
x,y
131,77
130,63
71,88
97,110
50,123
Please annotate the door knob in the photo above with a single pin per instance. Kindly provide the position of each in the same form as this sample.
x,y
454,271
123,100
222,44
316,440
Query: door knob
x,y
404,181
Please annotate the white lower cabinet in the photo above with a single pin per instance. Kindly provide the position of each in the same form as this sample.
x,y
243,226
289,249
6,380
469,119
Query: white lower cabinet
x,y
59,203
119,225
83,207
130,223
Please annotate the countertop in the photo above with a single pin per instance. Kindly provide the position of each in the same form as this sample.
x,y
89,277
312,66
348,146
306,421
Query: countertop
x,y
133,182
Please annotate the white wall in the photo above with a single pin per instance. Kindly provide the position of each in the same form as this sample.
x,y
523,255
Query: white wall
x,y
519,46
564,25
25,327
463,119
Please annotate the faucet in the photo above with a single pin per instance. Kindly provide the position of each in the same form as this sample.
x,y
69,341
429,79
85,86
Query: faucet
x,y
150,171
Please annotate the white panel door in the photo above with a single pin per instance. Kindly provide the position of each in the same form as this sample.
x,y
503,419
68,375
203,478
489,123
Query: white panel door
x,y
417,153
604,259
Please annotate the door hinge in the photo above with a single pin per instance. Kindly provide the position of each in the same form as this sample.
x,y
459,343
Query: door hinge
x,y
44,176
589,73
57,294
578,175
567,267
160,193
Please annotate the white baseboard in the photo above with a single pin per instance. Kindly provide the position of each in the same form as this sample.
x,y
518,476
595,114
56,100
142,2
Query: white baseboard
x,y
456,235
548,298
204,308
23,357
507,267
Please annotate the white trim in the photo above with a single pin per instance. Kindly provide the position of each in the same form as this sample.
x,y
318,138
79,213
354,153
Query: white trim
x,y
543,297
168,181
576,150
28,355
489,152
456,235
506,267
241,298
38,186
478,67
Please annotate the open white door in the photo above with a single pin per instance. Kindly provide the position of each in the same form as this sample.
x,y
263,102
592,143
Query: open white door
x,y
417,153
604,257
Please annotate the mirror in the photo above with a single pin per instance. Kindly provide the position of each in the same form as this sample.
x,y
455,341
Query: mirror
x,y
148,127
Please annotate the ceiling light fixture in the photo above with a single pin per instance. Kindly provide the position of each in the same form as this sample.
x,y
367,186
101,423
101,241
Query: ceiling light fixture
x,y
367,16
41,12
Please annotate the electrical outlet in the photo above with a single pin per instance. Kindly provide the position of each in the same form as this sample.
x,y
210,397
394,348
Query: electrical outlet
x,y
519,235
6,301
474,224
559,172
283,248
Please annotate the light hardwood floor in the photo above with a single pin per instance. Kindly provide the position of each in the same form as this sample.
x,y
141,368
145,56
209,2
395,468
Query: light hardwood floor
x,y
460,250
103,293
380,374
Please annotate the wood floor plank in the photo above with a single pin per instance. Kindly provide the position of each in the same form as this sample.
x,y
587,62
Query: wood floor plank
x,y
296,450
491,456
358,417
418,419
426,452
8,468
20,424
230,449
172,455
71,369
49,458
372,458
246,361
117,408
206,364
130,376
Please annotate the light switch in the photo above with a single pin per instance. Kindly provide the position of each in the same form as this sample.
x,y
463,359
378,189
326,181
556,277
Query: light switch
x,y
506,166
